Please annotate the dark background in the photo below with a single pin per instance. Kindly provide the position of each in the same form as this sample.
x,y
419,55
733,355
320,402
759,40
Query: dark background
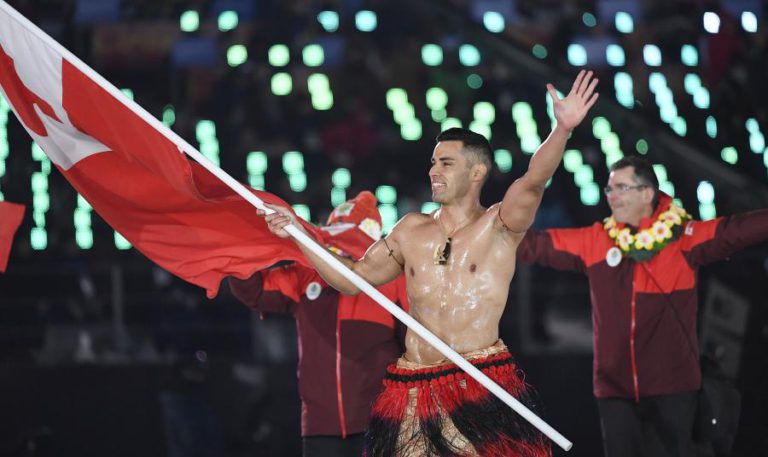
x,y
102,353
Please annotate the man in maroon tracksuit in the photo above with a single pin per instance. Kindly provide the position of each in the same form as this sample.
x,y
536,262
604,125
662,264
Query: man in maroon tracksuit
x,y
642,266
345,342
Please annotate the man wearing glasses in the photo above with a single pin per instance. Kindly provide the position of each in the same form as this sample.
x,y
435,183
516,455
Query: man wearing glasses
x,y
642,265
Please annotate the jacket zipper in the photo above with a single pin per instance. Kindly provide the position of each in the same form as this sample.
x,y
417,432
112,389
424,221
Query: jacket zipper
x,y
632,327
339,398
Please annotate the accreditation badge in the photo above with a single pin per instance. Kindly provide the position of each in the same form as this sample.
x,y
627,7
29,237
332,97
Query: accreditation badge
x,y
613,257
313,290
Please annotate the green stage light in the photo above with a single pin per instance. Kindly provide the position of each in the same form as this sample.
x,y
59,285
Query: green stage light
x,y
469,56
614,54
236,55
411,130
589,19
493,21
711,125
297,182
474,81
396,97
539,51
366,21
652,55
302,211
589,194
313,55
404,113
705,192
503,159
256,163
205,129
577,55
481,128
169,116
624,22
278,55
228,20
484,112
293,162
689,55
429,207
729,155
439,115
432,55
600,127
329,20
386,194
623,86
341,178
189,21
449,123
338,196
641,146
121,243
281,84
583,175
436,98
572,160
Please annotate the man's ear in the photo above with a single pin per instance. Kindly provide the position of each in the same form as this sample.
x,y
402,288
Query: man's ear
x,y
648,194
478,172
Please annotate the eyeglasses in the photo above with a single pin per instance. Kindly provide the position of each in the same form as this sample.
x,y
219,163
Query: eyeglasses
x,y
621,188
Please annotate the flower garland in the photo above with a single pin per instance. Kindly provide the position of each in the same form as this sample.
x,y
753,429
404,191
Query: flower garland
x,y
643,245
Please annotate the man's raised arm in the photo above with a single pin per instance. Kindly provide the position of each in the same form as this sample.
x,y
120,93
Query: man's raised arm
x,y
518,208
376,267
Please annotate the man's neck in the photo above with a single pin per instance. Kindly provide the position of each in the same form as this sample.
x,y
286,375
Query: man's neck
x,y
635,221
457,213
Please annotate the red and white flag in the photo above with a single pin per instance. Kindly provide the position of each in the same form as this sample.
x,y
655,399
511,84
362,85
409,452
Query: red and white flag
x,y
170,208
10,219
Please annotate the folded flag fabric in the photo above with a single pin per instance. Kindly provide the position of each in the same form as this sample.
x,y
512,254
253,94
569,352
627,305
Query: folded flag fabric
x,y
11,215
170,208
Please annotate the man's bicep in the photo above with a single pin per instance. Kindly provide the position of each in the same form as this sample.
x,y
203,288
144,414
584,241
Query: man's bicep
x,y
381,263
518,209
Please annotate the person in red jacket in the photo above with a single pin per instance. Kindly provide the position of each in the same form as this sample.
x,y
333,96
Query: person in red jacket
x,y
642,264
345,342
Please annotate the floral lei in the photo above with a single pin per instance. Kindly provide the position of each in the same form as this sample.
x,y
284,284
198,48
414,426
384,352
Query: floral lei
x,y
643,245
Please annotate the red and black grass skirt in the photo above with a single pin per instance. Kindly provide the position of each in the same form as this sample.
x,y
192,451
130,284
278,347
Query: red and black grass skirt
x,y
440,411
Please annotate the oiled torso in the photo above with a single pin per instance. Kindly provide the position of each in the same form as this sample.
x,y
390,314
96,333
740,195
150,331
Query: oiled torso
x,y
462,301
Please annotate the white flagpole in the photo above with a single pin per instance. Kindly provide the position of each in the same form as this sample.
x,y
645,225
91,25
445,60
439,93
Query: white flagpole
x,y
300,236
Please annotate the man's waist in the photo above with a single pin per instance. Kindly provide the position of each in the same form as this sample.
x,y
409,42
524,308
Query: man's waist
x,y
410,362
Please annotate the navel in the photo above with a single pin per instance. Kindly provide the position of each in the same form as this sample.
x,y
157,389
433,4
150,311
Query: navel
x,y
411,271
472,268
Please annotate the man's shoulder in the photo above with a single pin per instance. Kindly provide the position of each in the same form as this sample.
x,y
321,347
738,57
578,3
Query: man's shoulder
x,y
412,220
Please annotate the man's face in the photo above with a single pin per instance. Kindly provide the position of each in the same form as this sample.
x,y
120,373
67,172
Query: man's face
x,y
449,175
629,200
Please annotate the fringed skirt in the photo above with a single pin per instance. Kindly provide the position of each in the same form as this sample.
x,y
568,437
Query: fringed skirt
x,y
440,411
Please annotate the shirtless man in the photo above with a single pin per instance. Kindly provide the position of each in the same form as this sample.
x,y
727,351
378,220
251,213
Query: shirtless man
x,y
458,262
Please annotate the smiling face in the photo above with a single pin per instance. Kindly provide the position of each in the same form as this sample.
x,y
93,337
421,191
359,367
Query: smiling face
x,y
631,205
450,174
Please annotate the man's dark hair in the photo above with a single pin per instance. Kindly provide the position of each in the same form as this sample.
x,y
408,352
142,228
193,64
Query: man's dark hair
x,y
644,173
476,148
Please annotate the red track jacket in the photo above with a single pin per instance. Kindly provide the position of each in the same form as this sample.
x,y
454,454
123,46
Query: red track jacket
x,y
640,348
345,343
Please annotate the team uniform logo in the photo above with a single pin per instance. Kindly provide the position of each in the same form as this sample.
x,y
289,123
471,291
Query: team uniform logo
x,y
613,257
313,290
